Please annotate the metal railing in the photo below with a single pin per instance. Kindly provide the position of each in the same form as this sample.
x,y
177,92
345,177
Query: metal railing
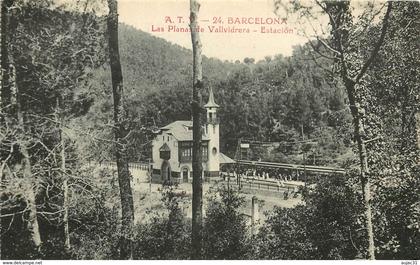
x,y
134,165
307,168
285,190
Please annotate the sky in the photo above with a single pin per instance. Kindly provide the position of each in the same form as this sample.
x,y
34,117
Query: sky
x,y
152,16
168,19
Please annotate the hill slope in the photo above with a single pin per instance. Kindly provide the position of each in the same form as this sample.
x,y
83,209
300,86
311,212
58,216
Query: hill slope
x,y
270,100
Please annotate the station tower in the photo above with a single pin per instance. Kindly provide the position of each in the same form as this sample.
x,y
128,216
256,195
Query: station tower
x,y
212,130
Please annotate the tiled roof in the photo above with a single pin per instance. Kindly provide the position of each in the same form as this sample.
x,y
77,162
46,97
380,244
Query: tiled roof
x,y
224,159
181,130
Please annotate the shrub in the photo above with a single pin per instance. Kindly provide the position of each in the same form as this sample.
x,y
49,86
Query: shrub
x,y
225,233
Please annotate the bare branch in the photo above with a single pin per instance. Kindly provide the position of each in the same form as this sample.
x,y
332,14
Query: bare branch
x,y
378,44
328,46
316,49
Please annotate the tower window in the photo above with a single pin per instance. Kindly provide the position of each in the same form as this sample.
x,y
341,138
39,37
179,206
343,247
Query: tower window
x,y
204,151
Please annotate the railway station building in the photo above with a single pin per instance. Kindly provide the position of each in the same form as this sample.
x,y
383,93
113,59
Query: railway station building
x,y
172,148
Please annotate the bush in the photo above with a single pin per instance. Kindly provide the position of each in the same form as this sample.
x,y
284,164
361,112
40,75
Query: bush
x,y
285,235
225,233
95,216
167,235
328,226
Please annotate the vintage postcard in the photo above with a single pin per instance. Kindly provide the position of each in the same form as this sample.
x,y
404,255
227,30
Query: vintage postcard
x,y
260,130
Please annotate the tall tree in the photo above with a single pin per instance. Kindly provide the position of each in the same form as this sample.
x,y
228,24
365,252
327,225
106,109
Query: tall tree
x,y
4,89
340,20
417,115
48,59
391,103
350,65
5,94
59,123
30,184
197,185
10,86
121,132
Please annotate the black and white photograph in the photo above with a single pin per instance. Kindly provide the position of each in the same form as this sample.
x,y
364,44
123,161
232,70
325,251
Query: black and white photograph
x,y
265,130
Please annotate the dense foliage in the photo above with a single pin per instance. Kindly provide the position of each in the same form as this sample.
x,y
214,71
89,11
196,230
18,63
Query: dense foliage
x,y
270,100
327,226
59,102
166,235
226,232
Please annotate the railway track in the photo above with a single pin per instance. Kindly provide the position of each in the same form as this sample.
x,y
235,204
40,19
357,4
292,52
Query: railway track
x,y
295,167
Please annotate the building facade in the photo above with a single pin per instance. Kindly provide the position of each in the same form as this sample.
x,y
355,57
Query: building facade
x,y
172,148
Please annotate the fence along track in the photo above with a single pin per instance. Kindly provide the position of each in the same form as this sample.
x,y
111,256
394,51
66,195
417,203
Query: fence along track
x,y
307,168
137,165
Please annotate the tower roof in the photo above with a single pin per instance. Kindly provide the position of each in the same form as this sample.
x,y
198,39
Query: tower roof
x,y
211,103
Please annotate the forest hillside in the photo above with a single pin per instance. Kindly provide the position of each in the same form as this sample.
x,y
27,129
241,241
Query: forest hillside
x,y
272,100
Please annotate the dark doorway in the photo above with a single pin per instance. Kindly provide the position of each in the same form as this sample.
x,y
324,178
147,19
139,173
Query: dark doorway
x,y
166,171
185,173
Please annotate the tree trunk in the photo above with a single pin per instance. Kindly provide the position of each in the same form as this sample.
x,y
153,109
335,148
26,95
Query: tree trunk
x,y
66,200
127,208
67,245
197,185
5,89
2,102
5,82
340,20
364,169
417,122
9,84
29,185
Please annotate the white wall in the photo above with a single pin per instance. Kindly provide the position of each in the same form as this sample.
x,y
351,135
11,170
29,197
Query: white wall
x,y
173,145
213,132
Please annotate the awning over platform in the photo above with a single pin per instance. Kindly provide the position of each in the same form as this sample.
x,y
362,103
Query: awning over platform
x,y
224,159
